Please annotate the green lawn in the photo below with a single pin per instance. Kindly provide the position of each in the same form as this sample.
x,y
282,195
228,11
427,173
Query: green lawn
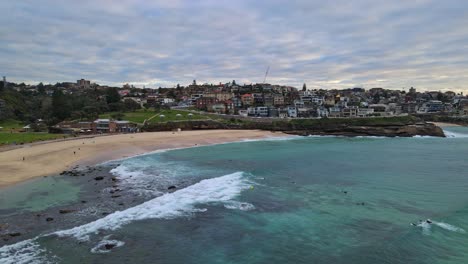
x,y
7,125
27,137
169,115
137,117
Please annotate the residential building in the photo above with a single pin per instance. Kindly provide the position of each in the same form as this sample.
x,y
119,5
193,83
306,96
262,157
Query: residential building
x,y
247,99
203,103
84,84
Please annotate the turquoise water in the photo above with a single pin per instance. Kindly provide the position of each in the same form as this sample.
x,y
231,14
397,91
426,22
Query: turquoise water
x,y
301,200
37,194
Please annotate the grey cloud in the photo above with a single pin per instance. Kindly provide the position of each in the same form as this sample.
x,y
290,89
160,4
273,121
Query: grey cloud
x,y
334,44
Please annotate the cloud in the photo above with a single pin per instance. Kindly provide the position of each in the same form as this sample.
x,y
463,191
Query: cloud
x,y
335,44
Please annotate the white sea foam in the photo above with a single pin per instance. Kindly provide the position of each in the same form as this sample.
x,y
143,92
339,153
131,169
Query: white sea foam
x,y
170,205
449,227
451,134
239,206
426,227
101,246
27,251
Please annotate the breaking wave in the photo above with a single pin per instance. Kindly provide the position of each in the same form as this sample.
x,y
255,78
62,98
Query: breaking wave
x,y
170,205
451,134
27,251
220,190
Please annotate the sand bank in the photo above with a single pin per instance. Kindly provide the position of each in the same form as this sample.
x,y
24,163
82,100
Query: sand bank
x,y
55,157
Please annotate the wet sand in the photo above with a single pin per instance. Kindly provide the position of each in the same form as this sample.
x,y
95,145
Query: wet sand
x,y
55,157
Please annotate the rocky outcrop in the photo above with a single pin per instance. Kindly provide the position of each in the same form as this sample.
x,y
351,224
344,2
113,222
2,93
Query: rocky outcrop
x,y
425,129
389,127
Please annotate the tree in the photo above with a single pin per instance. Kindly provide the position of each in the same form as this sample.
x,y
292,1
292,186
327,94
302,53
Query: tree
x,y
304,88
233,82
60,107
131,105
118,116
112,95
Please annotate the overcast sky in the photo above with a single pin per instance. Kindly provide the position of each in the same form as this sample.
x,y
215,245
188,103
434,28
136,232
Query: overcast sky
x,y
325,44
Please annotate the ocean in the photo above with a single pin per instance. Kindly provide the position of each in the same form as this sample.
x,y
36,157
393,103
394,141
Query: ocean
x,y
278,200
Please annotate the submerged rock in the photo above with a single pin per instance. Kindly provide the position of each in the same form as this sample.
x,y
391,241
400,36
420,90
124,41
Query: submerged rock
x,y
172,187
15,234
109,246
66,211
99,178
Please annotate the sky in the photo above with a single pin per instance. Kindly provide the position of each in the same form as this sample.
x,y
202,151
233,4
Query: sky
x,y
326,44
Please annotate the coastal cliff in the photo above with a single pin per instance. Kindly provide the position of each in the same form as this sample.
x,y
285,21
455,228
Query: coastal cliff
x,y
389,127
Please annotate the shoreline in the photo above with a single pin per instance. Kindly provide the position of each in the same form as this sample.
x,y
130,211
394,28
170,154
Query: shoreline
x,y
56,156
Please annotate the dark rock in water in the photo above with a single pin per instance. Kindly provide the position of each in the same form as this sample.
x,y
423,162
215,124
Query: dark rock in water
x,y
105,213
172,187
109,246
15,234
114,179
99,178
66,211
121,203
345,192
48,219
83,202
111,191
115,196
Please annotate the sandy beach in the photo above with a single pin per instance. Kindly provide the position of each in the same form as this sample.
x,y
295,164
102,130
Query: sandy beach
x,y
55,157
442,124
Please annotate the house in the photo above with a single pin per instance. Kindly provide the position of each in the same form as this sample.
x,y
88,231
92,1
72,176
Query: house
x,y
432,106
103,126
112,126
237,102
268,100
379,108
218,108
247,99
278,100
282,112
230,109
364,112
204,102
260,111
351,111
292,111
322,111
124,126
335,112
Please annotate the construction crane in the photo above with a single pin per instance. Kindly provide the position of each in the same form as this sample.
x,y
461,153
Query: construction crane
x,y
266,74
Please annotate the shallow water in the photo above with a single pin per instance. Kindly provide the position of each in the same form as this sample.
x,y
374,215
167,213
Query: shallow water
x,y
303,200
